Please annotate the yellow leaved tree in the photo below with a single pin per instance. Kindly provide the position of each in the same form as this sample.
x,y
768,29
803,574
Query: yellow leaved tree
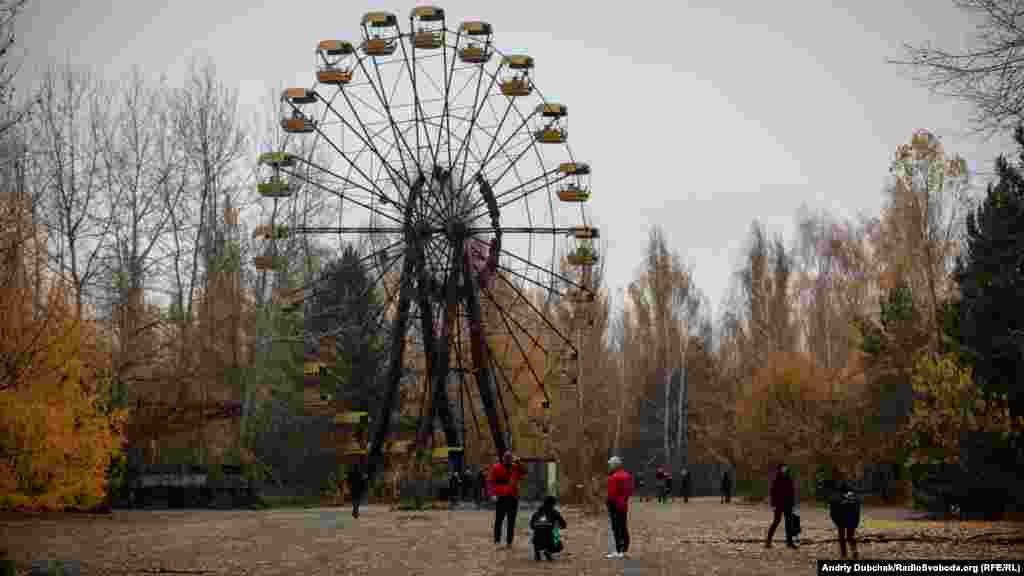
x,y
948,406
58,433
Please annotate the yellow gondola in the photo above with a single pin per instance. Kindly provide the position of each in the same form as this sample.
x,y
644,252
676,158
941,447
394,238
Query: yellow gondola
x,y
518,84
332,53
275,187
277,159
553,110
478,49
582,257
551,135
376,45
574,168
573,192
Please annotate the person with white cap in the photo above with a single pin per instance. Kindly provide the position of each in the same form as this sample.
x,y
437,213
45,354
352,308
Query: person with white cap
x,y
620,488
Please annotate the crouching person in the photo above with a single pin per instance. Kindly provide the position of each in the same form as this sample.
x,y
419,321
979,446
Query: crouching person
x,y
844,508
546,524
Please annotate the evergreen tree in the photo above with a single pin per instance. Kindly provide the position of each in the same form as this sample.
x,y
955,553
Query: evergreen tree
x,y
990,275
347,305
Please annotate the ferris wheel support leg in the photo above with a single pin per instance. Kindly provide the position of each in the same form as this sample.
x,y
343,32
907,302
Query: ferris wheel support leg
x,y
390,400
481,367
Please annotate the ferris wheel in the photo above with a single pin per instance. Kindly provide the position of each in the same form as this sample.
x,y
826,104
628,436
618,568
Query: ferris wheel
x,y
442,157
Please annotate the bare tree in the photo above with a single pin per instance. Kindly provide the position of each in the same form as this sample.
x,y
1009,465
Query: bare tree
x,y
141,172
12,115
989,75
67,137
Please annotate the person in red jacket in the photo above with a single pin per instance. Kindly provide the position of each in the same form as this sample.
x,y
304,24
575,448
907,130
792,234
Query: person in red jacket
x,y
620,488
503,483
783,499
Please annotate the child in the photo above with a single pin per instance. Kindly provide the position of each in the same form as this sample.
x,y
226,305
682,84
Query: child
x,y
546,523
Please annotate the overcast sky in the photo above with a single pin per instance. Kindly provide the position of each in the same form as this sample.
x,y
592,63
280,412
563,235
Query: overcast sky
x,y
699,116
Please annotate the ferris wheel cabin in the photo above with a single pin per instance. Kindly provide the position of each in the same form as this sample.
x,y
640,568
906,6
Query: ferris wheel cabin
x,y
428,21
554,130
577,186
381,33
584,255
518,82
298,123
478,47
336,60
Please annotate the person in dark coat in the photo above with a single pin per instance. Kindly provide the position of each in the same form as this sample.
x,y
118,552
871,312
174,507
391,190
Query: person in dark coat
x,y
481,486
357,481
454,488
543,523
641,485
659,477
783,500
467,484
844,508
726,487
687,484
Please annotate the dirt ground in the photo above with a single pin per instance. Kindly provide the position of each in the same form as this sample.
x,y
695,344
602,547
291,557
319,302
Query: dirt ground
x,y
700,537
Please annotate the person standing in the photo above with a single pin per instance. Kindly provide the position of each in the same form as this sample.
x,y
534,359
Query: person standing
x,y
783,499
504,482
668,485
726,487
686,484
454,488
467,484
620,488
641,485
481,486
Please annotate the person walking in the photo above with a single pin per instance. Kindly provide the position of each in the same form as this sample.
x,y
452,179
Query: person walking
x,y
641,486
659,478
357,485
620,488
668,486
783,499
844,509
686,484
726,487
504,482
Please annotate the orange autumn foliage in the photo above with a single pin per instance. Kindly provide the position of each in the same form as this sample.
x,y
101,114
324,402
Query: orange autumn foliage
x,y
58,434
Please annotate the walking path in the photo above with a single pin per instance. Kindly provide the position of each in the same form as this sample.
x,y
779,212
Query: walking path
x,y
700,537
